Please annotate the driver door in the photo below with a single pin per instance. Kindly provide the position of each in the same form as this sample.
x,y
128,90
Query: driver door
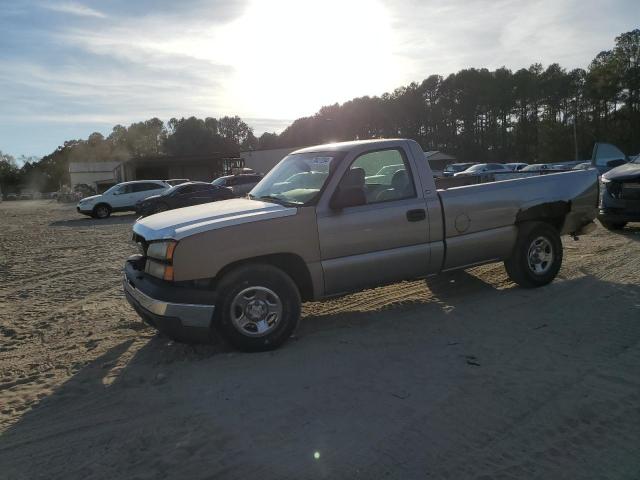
x,y
383,240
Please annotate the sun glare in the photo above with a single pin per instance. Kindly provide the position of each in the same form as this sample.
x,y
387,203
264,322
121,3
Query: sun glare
x,y
291,57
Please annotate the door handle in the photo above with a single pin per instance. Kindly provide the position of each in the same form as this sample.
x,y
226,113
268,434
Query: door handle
x,y
416,215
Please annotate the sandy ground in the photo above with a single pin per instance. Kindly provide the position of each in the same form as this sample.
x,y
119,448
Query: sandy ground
x,y
470,378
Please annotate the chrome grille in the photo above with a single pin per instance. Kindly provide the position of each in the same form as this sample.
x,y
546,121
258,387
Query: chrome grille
x,y
630,191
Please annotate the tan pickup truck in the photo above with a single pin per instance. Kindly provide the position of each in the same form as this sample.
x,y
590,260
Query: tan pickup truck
x,y
334,219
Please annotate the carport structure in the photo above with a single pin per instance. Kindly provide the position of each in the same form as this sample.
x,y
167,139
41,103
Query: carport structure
x,y
194,167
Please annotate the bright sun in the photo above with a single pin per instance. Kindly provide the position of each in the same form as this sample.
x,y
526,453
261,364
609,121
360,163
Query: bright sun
x,y
293,56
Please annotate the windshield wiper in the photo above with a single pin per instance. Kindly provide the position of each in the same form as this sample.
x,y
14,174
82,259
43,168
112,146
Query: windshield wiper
x,y
274,199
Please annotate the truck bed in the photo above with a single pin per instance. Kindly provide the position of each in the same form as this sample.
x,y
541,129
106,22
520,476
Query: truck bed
x,y
479,221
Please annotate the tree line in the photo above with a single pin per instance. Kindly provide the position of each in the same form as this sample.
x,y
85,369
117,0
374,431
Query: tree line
x,y
179,137
532,115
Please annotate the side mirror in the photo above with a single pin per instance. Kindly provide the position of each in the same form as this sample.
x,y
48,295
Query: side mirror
x,y
347,197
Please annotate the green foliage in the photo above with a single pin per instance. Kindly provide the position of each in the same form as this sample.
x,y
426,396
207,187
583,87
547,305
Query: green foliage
x,y
9,171
179,137
194,136
476,114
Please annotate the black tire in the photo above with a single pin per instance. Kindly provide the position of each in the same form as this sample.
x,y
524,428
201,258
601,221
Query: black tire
x,y
161,207
264,278
613,225
101,211
537,255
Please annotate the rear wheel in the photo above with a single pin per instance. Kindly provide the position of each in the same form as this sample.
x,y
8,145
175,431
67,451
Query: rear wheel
x,y
612,225
258,307
537,255
101,211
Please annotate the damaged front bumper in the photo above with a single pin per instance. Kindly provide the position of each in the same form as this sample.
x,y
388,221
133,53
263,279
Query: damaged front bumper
x,y
180,312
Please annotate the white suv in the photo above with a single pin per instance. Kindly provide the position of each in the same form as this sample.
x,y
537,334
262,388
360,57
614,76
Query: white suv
x,y
120,198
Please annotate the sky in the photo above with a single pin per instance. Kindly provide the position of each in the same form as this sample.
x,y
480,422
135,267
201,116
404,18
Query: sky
x,y
70,68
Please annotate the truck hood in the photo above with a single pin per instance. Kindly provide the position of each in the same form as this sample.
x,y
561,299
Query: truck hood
x,y
628,171
183,222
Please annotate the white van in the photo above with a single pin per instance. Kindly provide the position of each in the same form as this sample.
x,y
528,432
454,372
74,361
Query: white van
x,y
120,198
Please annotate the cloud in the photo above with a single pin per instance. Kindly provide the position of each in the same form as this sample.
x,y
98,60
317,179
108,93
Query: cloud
x,y
108,88
444,36
129,69
97,63
74,9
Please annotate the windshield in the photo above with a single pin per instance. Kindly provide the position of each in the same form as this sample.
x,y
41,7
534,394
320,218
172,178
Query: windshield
x,y
113,189
297,179
220,182
456,167
475,168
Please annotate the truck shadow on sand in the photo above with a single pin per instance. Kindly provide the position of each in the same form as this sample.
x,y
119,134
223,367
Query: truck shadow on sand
x,y
440,292
180,411
94,222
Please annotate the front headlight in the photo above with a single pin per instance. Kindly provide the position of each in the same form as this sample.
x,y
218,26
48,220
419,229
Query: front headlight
x,y
160,259
160,270
162,250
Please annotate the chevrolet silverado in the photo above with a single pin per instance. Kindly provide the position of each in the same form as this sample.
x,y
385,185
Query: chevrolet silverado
x,y
324,223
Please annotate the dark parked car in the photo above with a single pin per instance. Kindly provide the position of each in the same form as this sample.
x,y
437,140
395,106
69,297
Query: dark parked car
x,y
620,195
183,195
240,184
176,181
452,169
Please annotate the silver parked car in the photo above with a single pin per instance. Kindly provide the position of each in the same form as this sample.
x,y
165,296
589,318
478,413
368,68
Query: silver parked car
x,y
537,167
516,166
453,168
483,169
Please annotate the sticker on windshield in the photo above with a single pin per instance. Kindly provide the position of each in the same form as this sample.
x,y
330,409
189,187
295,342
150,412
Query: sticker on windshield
x,y
321,161
320,164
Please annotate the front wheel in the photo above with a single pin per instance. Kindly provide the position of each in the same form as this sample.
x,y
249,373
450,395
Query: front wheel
x,y
537,255
101,211
258,307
